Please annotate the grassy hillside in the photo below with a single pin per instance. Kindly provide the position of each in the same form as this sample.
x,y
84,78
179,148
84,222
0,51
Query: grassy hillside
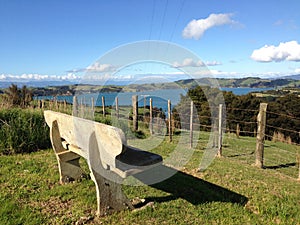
x,y
230,191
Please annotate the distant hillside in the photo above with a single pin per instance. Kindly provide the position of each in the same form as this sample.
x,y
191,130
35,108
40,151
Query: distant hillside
x,y
256,82
251,82
294,77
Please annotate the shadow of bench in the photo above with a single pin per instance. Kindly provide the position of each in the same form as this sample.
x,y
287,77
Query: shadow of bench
x,y
194,190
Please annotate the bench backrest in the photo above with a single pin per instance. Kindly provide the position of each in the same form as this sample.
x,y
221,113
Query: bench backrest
x,y
77,132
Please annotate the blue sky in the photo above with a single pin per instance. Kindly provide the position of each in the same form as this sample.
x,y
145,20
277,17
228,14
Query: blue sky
x,y
54,39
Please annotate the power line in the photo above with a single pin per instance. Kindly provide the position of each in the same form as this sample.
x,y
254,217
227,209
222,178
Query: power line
x,y
163,19
177,19
152,18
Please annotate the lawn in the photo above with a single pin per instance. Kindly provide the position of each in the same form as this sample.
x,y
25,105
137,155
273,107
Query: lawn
x,y
230,191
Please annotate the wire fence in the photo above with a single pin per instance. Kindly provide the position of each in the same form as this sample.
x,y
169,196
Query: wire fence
x,y
281,144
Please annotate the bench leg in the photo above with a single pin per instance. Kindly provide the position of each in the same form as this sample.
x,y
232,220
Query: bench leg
x,y
110,197
68,162
69,170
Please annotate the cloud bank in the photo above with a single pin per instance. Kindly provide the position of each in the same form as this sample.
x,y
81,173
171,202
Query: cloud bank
x,y
37,77
196,28
286,51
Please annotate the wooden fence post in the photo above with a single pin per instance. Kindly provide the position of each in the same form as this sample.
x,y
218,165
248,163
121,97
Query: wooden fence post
x,y
144,113
117,107
135,112
65,105
40,104
81,108
50,104
103,106
220,130
238,130
260,138
298,162
170,120
75,106
151,117
92,106
191,124
56,104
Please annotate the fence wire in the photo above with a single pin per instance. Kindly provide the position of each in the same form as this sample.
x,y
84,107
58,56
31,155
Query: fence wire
x,y
277,155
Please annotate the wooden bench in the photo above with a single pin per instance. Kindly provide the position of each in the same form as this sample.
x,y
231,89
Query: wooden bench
x,y
105,148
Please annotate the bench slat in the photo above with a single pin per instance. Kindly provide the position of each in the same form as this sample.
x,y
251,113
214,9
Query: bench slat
x,y
75,149
133,161
77,131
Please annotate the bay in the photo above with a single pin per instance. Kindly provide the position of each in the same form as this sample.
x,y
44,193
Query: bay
x,y
159,97
244,90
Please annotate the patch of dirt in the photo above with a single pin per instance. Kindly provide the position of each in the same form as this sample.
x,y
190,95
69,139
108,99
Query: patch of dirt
x,y
55,206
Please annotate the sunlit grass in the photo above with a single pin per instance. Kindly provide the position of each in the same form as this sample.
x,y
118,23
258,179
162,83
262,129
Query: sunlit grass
x,y
230,191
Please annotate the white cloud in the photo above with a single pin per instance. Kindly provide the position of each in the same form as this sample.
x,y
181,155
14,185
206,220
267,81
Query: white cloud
x,y
69,76
297,70
289,51
196,28
97,67
218,73
38,77
213,63
189,62
31,76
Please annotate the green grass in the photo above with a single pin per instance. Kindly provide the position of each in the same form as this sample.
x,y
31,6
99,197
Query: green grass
x,y
230,191
279,157
22,130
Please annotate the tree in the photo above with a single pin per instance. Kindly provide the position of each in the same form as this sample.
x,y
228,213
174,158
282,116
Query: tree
x,y
18,97
26,96
12,95
204,98
283,113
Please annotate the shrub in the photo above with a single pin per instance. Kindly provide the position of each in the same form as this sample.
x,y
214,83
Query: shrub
x,y
17,97
23,131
